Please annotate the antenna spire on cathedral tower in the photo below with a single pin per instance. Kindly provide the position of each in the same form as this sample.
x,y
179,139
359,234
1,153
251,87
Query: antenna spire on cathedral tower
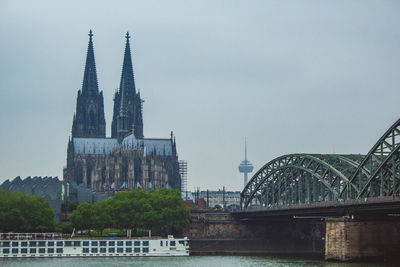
x,y
90,84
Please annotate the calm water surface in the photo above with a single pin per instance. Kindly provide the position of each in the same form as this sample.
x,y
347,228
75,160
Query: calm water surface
x,y
206,261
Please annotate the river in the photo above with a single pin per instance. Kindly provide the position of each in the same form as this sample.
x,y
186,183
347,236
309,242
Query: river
x,y
206,261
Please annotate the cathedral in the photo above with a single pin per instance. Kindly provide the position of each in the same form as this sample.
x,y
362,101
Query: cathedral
x,y
127,159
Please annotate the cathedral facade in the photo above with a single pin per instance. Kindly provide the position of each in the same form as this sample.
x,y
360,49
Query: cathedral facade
x,y
126,160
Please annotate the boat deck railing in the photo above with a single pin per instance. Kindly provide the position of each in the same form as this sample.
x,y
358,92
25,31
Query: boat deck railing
x,y
54,236
30,236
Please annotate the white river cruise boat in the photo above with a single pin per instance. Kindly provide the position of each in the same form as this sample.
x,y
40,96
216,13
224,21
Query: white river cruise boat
x,y
42,245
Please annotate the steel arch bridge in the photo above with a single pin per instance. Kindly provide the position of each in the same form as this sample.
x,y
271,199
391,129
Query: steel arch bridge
x,y
306,178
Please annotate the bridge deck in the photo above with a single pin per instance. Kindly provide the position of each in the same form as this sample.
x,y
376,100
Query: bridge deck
x,y
377,206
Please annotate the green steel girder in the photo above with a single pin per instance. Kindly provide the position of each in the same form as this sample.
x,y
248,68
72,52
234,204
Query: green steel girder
x,y
385,175
381,161
304,178
298,178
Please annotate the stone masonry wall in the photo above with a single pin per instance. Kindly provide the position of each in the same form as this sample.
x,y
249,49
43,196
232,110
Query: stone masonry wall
x,y
215,224
348,240
219,233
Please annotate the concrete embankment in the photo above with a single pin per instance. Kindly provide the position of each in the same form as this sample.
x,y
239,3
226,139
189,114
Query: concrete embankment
x,y
218,233
251,246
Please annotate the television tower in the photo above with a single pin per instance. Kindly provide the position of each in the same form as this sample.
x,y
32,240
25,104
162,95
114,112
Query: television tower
x,y
245,166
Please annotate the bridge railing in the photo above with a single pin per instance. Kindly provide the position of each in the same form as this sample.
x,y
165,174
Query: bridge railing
x,y
321,204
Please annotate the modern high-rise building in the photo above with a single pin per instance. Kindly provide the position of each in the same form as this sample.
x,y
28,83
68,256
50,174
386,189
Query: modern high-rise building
x,y
127,160
245,166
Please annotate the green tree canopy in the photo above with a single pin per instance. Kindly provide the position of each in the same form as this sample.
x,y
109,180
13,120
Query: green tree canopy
x,y
24,213
162,211
82,217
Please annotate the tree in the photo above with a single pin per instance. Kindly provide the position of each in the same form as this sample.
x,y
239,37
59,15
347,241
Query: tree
x,y
23,213
131,208
173,213
102,215
65,228
163,211
82,217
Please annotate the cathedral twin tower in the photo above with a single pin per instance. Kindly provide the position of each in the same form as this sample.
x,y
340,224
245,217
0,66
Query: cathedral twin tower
x,y
127,160
89,120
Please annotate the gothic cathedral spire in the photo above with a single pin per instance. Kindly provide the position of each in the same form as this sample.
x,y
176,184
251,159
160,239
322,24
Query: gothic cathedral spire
x,y
122,121
89,119
127,76
131,99
89,84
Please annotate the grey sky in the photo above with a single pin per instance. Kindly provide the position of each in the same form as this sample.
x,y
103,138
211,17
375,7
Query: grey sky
x,y
292,76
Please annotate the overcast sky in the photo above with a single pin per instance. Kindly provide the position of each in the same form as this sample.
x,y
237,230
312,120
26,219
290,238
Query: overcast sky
x,y
292,76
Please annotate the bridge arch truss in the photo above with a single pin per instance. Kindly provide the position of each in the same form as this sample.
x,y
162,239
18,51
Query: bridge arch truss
x,y
305,178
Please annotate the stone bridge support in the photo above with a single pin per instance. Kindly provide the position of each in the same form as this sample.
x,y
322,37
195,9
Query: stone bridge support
x,y
215,224
221,233
353,240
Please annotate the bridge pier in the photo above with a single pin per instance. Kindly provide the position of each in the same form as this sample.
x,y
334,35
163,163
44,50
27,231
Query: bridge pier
x,y
347,239
221,233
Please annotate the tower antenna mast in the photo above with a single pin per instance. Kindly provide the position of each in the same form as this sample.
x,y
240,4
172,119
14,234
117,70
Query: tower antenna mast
x,y
245,166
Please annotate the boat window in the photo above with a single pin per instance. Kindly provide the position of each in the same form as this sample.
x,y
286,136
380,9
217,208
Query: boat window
x,y
166,243
6,250
128,243
120,243
172,243
15,251
128,250
32,250
60,250
85,243
94,250
146,250
50,250
137,250
111,243
15,244
103,243
181,242
32,243
111,250
68,243
50,244
77,243
160,242
42,250
24,244
137,243
24,250
42,243
6,244
103,250
59,243
145,243
120,250
85,250
94,243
